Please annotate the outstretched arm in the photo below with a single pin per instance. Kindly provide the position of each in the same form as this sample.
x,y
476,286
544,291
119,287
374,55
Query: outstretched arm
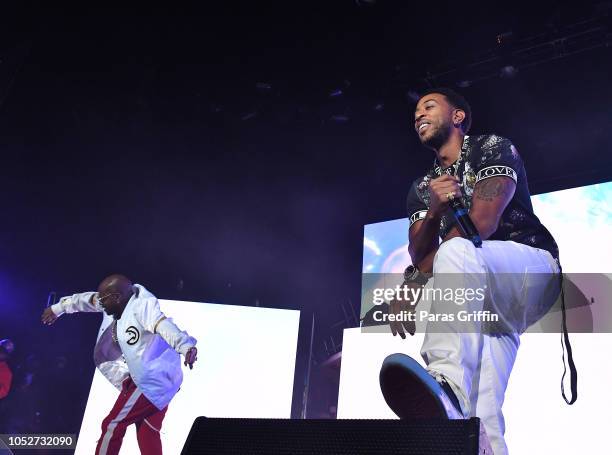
x,y
179,340
85,302
154,320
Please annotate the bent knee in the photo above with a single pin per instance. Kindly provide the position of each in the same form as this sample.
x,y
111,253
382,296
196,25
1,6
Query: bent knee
x,y
453,253
454,246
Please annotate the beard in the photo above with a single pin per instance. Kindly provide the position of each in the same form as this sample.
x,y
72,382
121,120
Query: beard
x,y
438,138
109,312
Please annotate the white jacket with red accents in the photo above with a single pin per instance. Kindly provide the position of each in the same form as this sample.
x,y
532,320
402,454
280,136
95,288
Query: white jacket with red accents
x,y
148,344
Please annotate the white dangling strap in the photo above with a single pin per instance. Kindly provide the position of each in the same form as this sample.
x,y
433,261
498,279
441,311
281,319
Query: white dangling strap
x,y
152,427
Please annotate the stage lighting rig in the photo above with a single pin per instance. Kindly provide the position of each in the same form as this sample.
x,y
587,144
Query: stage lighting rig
x,y
512,53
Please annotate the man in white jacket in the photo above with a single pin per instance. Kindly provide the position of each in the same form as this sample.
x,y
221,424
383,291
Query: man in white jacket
x,y
138,351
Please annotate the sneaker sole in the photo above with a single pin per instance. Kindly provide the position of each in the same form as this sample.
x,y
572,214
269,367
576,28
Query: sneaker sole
x,y
409,390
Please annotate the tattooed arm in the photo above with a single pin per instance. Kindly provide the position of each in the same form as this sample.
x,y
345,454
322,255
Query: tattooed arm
x,y
490,199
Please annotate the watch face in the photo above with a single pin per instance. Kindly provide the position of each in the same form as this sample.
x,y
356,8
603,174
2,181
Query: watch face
x,y
409,271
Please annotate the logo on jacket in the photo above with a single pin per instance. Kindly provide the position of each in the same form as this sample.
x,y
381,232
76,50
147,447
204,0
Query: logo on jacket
x,y
134,335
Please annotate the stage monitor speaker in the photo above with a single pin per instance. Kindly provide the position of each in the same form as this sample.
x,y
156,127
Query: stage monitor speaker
x,y
338,437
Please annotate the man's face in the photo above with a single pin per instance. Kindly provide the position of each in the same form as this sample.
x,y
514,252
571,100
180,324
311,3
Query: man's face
x,y
433,120
110,302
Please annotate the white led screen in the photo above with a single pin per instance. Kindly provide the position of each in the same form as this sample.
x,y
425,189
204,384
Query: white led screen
x,y
245,368
537,418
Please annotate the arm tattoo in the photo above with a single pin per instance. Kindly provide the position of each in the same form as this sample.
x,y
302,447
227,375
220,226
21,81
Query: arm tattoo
x,y
490,189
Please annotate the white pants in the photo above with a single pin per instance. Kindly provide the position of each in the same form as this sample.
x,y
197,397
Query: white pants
x,y
521,282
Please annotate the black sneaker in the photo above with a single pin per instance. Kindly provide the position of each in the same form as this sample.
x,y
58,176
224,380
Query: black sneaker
x,y
412,393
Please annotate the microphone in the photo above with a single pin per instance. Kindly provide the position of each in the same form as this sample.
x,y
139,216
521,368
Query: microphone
x,y
465,222
466,226
51,299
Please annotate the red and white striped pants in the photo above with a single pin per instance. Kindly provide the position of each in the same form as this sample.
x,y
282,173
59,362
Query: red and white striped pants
x,y
132,407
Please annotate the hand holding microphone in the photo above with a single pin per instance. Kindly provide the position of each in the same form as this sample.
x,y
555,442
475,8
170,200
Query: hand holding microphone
x,y
441,190
444,192
48,317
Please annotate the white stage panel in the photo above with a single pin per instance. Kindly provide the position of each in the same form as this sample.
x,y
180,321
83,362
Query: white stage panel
x,y
537,418
245,368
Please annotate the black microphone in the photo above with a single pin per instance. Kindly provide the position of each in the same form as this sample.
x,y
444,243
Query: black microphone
x,y
51,299
465,222
461,214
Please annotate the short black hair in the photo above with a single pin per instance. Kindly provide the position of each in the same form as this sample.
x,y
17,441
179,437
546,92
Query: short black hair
x,y
456,100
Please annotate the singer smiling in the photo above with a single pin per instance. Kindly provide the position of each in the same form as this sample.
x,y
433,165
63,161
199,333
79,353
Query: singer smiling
x,y
471,221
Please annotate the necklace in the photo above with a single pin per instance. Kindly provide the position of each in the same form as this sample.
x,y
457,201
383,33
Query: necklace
x,y
453,168
450,170
114,332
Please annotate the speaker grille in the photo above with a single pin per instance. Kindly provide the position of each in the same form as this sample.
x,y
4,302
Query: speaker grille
x,y
340,437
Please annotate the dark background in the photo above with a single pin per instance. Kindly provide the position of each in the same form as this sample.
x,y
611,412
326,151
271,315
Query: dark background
x,y
198,151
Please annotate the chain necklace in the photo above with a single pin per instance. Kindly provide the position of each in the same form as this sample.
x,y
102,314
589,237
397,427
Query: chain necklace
x,y
114,331
450,170
453,168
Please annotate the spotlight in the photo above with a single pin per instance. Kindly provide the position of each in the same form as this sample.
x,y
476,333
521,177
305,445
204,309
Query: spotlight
x,y
340,118
248,116
503,39
263,86
412,95
508,71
